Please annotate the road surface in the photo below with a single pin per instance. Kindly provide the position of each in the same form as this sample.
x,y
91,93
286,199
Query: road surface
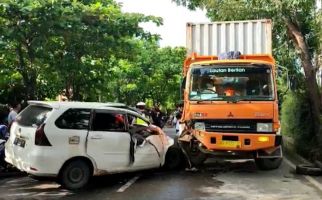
x,y
224,180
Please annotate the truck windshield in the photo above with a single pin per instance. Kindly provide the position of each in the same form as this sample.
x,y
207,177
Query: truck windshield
x,y
231,82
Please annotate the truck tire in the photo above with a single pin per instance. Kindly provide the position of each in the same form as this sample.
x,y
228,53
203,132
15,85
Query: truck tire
x,y
75,175
196,157
308,170
173,158
268,163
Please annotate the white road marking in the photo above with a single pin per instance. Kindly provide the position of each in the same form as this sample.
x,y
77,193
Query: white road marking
x,y
128,184
308,178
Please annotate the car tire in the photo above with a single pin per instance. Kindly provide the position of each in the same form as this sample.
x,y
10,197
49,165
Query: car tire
x,y
75,175
268,163
308,170
173,158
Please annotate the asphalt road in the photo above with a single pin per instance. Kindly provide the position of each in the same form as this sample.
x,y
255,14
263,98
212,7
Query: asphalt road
x,y
215,180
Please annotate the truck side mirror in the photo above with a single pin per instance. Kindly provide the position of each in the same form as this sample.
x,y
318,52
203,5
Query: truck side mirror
x,y
280,71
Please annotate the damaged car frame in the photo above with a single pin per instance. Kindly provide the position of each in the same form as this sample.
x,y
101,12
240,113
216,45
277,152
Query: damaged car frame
x,y
73,141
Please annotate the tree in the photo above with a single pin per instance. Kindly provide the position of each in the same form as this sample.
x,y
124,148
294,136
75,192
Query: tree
x,y
296,29
153,75
66,45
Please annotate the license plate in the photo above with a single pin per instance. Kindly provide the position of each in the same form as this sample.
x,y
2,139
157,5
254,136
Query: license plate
x,y
228,143
19,142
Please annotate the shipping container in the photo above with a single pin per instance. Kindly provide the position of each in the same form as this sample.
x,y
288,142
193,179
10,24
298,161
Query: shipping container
x,y
248,37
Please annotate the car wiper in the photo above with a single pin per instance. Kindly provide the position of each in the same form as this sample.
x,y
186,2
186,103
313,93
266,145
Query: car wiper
x,y
237,99
210,99
248,98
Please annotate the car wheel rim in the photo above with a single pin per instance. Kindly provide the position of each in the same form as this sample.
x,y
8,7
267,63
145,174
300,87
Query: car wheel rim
x,y
76,175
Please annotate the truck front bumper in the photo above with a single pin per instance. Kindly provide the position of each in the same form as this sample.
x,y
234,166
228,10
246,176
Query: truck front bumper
x,y
237,141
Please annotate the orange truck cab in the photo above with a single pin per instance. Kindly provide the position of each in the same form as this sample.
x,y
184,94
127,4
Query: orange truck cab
x,y
231,109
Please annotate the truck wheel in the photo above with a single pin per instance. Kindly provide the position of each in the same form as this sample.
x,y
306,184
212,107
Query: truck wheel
x,y
173,158
197,158
268,163
75,175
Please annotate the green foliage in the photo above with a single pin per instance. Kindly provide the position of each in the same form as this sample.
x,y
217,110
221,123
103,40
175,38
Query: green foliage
x,y
62,45
296,121
154,74
87,50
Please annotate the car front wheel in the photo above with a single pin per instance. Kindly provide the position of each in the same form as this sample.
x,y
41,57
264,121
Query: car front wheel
x,y
173,158
75,175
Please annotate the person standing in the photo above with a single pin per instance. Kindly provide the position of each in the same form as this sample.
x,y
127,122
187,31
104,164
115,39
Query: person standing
x,y
143,111
157,116
177,117
14,112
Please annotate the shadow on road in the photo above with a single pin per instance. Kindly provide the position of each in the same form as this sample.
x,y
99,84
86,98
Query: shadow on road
x,y
28,188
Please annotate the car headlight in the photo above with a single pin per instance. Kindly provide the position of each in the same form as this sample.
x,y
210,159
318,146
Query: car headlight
x,y
264,127
200,126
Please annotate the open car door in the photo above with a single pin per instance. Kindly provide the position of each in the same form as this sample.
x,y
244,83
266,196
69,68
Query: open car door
x,y
148,146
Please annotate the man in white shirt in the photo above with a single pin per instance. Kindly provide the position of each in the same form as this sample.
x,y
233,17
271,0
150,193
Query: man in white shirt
x,y
14,112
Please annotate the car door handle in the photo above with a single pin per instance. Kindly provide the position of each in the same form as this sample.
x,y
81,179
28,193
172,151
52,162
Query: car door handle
x,y
97,137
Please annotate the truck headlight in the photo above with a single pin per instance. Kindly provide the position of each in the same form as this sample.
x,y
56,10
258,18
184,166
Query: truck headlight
x,y
264,127
200,126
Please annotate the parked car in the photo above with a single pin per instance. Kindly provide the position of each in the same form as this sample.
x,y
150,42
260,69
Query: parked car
x,y
73,141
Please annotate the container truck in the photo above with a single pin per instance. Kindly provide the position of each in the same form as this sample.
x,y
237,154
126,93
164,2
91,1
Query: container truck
x,y
230,99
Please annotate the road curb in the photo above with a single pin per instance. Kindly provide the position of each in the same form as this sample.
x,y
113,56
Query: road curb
x,y
288,147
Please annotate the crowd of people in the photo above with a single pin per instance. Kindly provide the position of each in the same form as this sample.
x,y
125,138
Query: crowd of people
x,y
159,118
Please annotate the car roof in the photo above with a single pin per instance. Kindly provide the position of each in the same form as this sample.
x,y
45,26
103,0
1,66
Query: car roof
x,y
92,105
75,104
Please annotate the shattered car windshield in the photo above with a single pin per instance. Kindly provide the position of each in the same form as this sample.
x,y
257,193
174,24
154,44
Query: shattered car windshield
x,y
226,82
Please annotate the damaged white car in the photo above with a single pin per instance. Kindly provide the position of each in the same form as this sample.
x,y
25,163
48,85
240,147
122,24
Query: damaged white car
x,y
73,141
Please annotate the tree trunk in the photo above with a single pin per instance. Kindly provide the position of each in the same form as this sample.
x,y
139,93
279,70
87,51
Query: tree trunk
x,y
309,71
29,77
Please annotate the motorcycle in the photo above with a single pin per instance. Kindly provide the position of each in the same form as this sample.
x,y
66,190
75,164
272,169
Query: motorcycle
x,y
3,163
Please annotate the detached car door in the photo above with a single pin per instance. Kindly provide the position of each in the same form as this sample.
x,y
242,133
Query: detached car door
x,y
108,141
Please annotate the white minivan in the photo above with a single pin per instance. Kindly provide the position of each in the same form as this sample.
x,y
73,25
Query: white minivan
x,y
76,140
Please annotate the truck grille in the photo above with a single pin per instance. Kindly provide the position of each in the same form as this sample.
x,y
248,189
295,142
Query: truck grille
x,y
233,125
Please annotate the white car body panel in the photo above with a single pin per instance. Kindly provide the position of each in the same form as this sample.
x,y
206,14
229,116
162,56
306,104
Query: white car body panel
x,y
110,150
108,154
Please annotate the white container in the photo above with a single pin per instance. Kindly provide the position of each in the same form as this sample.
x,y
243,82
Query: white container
x,y
248,37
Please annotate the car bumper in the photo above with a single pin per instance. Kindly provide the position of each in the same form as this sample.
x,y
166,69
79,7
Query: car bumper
x,y
35,164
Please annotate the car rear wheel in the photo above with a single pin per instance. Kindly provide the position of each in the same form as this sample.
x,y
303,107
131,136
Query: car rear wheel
x,y
268,163
75,175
